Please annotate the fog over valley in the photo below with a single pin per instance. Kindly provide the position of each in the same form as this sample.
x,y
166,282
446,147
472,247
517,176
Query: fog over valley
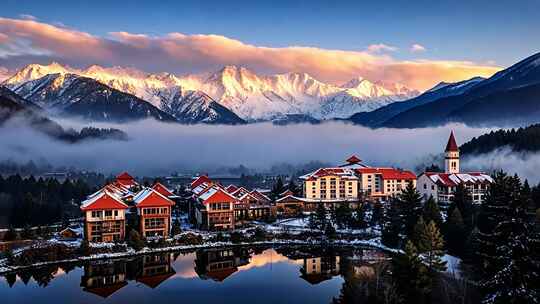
x,y
156,148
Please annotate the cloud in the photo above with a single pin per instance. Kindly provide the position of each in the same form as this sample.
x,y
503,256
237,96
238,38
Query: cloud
x,y
381,47
158,148
418,48
28,17
30,41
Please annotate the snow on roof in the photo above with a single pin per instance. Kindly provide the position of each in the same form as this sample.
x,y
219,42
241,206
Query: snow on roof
x,y
159,187
103,199
215,190
149,193
388,173
453,179
345,173
260,195
231,188
200,180
240,192
200,188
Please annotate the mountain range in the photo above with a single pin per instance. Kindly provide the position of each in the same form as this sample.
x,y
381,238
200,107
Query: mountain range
x,y
231,95
14,107
510,97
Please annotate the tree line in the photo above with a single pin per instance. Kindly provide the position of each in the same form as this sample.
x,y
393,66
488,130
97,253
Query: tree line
x,y
32,202
520,140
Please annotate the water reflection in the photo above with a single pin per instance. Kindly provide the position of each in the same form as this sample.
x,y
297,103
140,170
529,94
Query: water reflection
x,y
223,275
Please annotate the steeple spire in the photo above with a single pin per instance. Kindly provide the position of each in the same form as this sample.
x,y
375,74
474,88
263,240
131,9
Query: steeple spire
x,y
451,155
451,146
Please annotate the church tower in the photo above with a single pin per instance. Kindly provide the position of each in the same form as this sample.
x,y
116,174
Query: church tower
x,y
451,155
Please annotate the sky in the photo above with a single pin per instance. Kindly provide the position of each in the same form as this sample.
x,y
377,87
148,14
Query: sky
x,y
414,42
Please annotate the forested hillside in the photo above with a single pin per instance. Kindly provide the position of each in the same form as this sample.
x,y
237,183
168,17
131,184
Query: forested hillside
x,y
519,140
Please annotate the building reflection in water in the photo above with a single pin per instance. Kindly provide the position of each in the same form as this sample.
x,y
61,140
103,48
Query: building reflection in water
x,y
154,269
104,278
219,264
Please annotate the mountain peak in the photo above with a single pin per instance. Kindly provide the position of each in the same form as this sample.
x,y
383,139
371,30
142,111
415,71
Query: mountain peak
x,y
354,83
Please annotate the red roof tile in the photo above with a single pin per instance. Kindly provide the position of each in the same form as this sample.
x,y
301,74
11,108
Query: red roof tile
x,y
388,173
103,201
199,180
451,146
353,160
152,198
159,187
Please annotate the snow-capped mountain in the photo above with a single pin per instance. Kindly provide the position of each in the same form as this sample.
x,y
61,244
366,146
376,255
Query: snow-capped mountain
x,y
85,97
249,95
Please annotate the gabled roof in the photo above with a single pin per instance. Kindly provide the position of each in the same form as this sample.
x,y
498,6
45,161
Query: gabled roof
x,y
291,197
249,196
388,173
200,189
260,196
341,172
451,146
231,188
155,280
126,180
159,187
216,194
124,175
353,159
103,201
199,180
149,197
239,192
453,179
106,291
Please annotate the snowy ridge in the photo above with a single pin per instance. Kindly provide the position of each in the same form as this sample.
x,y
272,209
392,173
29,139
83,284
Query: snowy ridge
x,y
249,95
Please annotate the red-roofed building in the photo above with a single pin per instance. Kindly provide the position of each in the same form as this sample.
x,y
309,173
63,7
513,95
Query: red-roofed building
x,y
154,211
441,186
214,209
155,269
231,188
159,187
104,216
382,183
126,180
200,180
331,185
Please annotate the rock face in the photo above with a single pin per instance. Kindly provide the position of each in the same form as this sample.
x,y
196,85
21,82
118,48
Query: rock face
x,y
239,91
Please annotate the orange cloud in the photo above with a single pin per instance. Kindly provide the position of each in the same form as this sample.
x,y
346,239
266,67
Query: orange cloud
x,y
180,53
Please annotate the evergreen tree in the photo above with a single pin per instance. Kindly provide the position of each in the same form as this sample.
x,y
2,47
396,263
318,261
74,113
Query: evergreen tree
x,y
419,229
431,245
278,188
411,274
293,187
344,217
410,202
376,214
431,212
462,200
393,225
318,219
360,217
455,233
135,240
176,228
508,245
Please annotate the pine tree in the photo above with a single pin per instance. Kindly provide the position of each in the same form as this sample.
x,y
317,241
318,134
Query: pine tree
x,y
344,217
176,228
393,225
376,214
431,245
462,200
278,188
431,212
293,187
360,217
507,244
135,240
455,233
410,202
317,219
411,274
418,230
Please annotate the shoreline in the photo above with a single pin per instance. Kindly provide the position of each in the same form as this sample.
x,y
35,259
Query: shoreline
x,y
131,253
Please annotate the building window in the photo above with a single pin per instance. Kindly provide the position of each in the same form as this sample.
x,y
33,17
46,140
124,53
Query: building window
x,y
425,186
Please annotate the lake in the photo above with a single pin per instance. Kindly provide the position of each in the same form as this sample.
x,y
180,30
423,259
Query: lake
x,y
225,275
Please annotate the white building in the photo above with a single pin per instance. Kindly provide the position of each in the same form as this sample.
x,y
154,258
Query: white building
x,y
442,185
